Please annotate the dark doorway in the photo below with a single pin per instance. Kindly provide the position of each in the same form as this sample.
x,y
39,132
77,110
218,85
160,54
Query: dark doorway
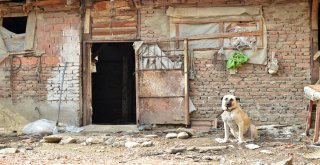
x,y
113,83
15,24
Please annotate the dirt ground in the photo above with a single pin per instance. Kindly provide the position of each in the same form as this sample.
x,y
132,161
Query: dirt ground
x,y
33,150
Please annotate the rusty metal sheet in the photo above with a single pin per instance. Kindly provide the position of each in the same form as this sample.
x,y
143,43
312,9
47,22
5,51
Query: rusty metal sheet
x,y
161,110
161,83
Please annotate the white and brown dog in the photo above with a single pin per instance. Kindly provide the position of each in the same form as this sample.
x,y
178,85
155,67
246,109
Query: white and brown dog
x,y
236,120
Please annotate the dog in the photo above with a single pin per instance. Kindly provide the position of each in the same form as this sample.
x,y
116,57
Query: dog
x,y
236,120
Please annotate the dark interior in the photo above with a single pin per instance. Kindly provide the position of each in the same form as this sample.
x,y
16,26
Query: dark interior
x,y
113,84
15,24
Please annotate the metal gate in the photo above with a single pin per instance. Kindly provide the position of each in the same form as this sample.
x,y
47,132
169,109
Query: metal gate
x,y
162,82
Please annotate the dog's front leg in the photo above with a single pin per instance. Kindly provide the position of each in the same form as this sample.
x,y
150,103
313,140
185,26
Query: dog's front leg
x,y
241,130
226,132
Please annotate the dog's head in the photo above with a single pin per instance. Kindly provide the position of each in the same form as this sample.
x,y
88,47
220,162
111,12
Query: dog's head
x,y
229,102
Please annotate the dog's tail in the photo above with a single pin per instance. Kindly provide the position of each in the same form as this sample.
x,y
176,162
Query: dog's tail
x,y
254,132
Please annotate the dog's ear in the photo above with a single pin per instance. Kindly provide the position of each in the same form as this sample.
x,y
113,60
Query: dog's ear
x,y
238,99
221,98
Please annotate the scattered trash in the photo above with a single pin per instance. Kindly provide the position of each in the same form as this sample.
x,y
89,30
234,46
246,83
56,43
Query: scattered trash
x,y
252,146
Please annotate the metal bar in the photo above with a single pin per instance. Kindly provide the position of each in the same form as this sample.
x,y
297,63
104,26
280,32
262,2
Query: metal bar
x,y
186,87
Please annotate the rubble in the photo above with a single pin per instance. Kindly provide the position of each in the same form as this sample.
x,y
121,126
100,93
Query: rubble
x,y
288,161
52,139
183,135
147,144
131,144
252,146
8,151
171,135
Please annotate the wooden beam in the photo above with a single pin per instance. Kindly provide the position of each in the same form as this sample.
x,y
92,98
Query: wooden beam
x,y
186,84
87,21
314,64
309,118
314,15
30,31
217,21
48,2
317,124
224,35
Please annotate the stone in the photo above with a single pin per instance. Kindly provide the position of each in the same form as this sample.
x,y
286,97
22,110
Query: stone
x,y
131,144
117,144
175,150
191,148
252,146
189,131
8,151
171,135
144,127
52,139
110,141
147,144
211,148
266,152
68,140
288,161
219,140
151,136
216,158
94,140
183,135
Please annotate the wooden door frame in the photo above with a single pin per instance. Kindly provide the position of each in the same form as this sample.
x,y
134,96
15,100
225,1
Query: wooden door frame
x,y
86,77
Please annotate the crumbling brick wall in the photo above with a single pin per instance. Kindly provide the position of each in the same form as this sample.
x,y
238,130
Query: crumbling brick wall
x,y
33,88
268,99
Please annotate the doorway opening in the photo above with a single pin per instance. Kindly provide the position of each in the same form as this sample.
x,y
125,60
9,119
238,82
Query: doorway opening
x,y
113,83
15,24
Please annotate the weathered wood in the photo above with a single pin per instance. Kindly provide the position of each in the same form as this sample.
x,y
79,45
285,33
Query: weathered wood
x,y
177,36
316,129
48,2
30,31
107,31
87,21
314,15
86,81
261,32
223,35
217,21
314,64
186,84
115,24
308,124
136,59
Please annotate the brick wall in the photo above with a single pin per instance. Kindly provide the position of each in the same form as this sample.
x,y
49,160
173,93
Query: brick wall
x,y
36,80
268,99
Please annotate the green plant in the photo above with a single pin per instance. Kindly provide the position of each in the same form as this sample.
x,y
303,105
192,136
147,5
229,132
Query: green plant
x,y
236,60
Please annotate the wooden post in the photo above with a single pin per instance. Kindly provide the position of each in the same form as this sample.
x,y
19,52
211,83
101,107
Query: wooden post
x,y
137,84
316,129
314,38
309,118
186,83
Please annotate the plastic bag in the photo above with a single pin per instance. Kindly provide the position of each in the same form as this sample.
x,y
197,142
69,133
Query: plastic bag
x,y
39,127
237,59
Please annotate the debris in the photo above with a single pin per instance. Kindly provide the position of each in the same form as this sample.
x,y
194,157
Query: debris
x,y
171,135
252,146
219,140
131,144
191,148
216,158
151,136
147,144
189,131
8,151
313,155
211,148
52,139
176,150
144,127
183,135
266,152
110,141
288,161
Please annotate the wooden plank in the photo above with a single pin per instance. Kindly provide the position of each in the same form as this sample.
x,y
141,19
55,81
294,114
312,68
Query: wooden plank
x,y
112,32
224,35
217,21
87,21
314,15
48,2
177,36
260,28
136,60
114,24
186,84
30,31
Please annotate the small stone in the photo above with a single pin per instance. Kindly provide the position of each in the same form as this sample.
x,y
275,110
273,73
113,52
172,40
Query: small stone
x,y
252,146
52,139
189,131
110,141
219,140
171,135
131,144
211,158
266,152
144,127
191,148
151,136
8,151
94,140
147,144
68,140
288,161
183,135
175,150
